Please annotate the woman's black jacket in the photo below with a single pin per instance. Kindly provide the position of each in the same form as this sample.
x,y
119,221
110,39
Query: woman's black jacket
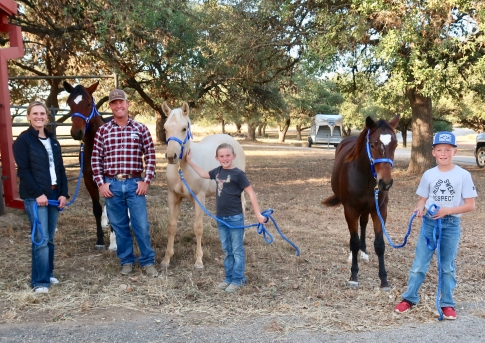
x,y
33,165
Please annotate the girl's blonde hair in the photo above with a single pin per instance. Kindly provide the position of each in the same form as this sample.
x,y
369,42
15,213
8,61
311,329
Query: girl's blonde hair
x,y
38,103
224,146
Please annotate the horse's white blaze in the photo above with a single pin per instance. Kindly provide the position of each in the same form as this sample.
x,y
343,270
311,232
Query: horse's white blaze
x,y
386,139
78,99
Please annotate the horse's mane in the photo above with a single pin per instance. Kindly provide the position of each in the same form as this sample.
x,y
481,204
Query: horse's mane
x,y
79,89
176,115
361,140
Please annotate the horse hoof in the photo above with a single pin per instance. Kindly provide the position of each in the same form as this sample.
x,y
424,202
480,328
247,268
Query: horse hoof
x,y
99,247
364,257
113,248
199,267
386,289
353,284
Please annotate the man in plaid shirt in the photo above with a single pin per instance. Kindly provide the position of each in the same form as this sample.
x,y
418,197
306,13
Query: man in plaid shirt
x,y
117,162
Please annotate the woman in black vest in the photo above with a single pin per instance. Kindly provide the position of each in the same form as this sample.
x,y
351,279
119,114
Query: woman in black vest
x,y
42,177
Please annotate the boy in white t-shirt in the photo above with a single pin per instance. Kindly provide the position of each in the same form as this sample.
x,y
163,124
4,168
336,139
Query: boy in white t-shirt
x,y
451,188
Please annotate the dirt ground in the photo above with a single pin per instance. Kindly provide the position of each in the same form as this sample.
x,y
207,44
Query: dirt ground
x,y
312,287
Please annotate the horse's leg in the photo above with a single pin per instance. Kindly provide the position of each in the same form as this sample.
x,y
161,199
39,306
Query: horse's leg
x,y
198,231
364,219
380,247
352,222
97,211
173,214
112,235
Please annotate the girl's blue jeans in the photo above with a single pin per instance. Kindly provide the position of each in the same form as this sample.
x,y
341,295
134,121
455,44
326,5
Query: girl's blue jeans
x,y
450,238
232,241
43,254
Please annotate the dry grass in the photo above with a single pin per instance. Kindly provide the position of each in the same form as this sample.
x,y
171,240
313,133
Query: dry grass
x,y
311,288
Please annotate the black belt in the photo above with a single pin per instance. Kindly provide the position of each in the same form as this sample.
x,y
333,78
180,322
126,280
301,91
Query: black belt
x,y
123,177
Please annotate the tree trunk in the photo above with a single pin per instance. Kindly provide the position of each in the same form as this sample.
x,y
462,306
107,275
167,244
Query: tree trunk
x,y
223,125
52,101
298,132
264,130
283,130
238,128
251,132
260,130
422,132
161,134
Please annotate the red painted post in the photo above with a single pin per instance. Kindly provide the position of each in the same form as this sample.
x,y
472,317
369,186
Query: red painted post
x,y
16,50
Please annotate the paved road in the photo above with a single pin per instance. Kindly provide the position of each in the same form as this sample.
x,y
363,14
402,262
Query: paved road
x,y
467,328
462,159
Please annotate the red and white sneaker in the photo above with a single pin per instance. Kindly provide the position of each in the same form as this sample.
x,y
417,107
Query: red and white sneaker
x,y
402,307
449,313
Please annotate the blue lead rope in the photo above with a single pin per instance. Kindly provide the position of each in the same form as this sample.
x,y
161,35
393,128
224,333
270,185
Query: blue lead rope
x,y
261,229
36,225
433,209
376,197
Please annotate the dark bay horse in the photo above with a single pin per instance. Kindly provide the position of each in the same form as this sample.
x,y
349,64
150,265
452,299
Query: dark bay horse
x,y
363,165
85,122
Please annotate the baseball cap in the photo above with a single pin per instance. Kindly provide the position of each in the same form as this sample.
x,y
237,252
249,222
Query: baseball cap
x,y
444,137
117,94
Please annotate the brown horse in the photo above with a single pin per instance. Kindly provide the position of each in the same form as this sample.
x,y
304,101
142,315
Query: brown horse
x,y
85,122
362,169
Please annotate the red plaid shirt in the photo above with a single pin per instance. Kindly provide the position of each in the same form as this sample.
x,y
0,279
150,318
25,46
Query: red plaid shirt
x,y
121,149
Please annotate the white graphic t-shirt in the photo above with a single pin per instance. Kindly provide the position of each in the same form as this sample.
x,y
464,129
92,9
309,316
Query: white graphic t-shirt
x,y
446,189
52,169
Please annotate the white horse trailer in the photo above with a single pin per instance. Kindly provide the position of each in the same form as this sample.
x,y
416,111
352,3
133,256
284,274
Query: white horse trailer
x,y
326,129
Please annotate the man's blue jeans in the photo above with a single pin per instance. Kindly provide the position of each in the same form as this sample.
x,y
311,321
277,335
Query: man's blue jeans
x,y
124,199
43,254
450,238
232,241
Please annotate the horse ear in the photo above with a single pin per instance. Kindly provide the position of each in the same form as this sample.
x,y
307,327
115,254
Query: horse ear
x,y
93,87
185,109
369,122
67,86
394,121
166,109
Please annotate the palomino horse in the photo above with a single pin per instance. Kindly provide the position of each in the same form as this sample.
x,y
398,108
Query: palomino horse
x,y
361,169
85,122
179,141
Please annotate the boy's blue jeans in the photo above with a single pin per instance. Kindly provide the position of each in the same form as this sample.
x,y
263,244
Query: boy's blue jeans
x,y
43,254
124,198
232,241
450,238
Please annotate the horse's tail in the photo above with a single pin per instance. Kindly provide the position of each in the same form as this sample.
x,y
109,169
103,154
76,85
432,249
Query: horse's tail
x,y
331,201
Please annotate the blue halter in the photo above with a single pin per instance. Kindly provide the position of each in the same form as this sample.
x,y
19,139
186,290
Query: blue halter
x,y
182,143
94,112
377,160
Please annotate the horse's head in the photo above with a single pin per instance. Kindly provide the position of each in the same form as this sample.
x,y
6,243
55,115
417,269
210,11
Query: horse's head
x,y
82,107
177,129
381,142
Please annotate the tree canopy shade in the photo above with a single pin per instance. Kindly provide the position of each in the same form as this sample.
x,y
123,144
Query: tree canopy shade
x,y
422,49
